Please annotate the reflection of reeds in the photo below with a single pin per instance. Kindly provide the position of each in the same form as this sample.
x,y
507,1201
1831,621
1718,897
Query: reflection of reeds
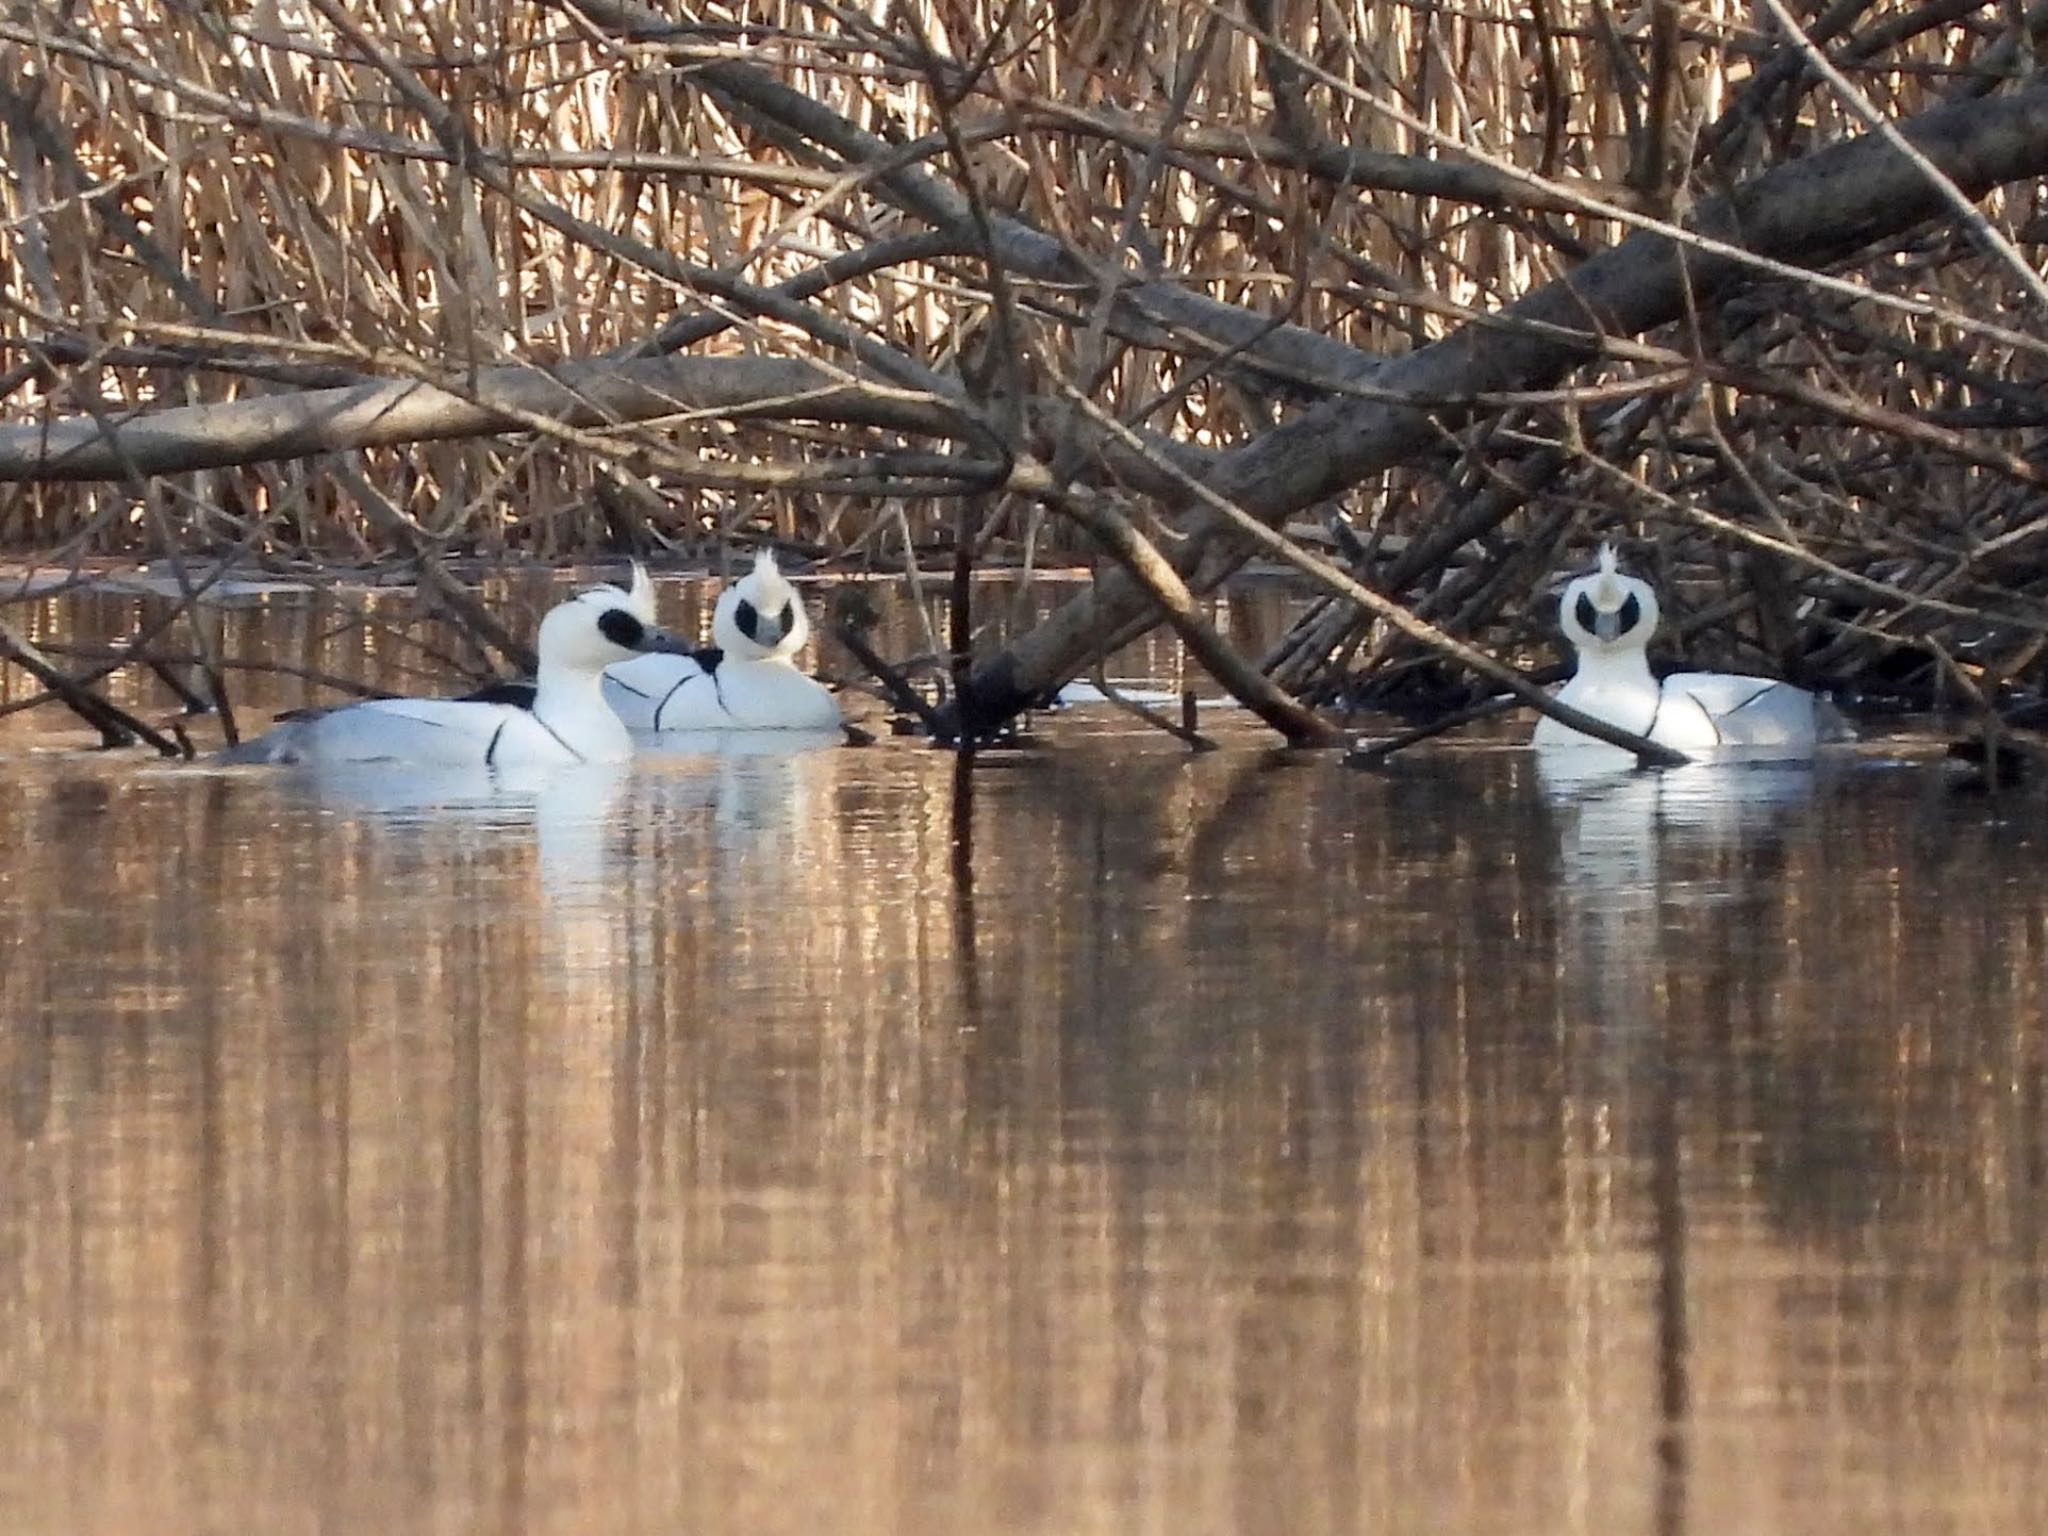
x,y
210,205
1274,1168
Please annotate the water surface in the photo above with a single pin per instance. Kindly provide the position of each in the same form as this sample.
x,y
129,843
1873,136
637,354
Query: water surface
x,y
1101,1140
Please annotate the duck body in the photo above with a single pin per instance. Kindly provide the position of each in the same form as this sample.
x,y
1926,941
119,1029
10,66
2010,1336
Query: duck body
x,y
713,691
1609,619
1710,711
559,718
1695,712
746,680
438,733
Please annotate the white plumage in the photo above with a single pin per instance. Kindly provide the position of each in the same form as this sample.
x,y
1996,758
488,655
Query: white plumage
x,y
746,681
1609,618
561,717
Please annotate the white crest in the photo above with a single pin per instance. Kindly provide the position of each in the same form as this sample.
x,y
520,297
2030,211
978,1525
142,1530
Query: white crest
x,y
766,583
1607,590
640,596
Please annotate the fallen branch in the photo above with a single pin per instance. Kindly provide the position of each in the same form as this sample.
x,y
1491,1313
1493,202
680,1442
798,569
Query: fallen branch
x,y
1813,211
483,628
405,411
116,726
1367,756
1182,730
1498,673
1301,725
906,698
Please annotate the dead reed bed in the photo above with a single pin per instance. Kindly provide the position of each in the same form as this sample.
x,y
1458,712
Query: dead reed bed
x,y
325,283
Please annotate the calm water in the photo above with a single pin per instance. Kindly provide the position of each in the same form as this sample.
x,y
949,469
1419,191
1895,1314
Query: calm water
x,y
1140,1143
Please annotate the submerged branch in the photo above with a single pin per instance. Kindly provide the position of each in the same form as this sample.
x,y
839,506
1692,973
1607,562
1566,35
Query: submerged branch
x,y
116,726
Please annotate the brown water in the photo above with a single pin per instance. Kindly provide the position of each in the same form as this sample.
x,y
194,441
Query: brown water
x,y
1141,1143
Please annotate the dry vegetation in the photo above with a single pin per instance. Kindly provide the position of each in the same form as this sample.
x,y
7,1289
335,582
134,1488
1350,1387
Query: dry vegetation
x,y
1010,284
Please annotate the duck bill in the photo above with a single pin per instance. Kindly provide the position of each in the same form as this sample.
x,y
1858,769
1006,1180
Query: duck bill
x,y
660,642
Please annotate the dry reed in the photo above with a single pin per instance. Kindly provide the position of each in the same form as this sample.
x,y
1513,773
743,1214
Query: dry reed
x,y
206,204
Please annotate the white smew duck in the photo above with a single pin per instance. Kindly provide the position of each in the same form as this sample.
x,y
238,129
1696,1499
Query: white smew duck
x,y
560,717
747,680
1609,618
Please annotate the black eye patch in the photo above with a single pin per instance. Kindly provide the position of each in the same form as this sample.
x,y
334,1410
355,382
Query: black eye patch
x,y
748,620
1588,616
622,629
1631,613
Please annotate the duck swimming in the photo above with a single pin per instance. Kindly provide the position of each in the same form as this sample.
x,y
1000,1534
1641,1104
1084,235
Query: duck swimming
x,y
1609,618
746,680
560,717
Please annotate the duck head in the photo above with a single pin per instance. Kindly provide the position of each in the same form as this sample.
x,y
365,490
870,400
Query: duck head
x,y
1606,613
603,625
760,617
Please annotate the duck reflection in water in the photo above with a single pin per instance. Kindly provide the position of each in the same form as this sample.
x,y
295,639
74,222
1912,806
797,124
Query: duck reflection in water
x,y
1645,855
762,789
568,811
752,789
